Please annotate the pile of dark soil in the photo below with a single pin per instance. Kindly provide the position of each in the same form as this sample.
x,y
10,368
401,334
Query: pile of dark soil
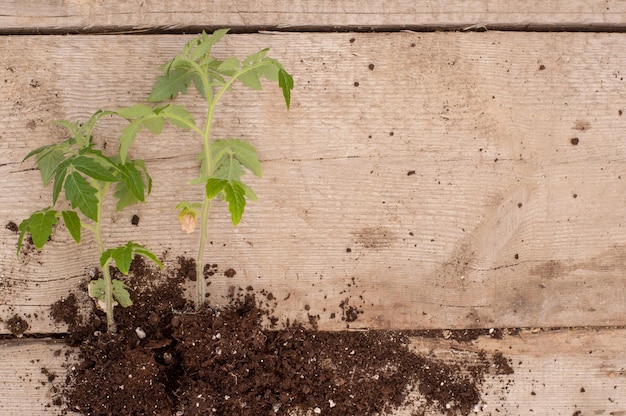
x,y
166,359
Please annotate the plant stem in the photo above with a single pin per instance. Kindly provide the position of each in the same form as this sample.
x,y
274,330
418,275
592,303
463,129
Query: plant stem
x,y
200,284
204,219
108,284
108,299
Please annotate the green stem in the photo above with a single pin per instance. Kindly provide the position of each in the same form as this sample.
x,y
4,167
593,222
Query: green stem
x,y
204,219
108,283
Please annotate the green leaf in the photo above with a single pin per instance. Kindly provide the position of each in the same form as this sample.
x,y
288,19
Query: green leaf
x,y
73,128
178,116
229,168
269,70
214,186
251,79
121,294
154,124
119,291
168,86
134,180
148,179
142,251
38,151
229,66
244,152
124,196
128,137
39,225
93,169
59,180
285,82
205,43
48,160
256,57
123,256
234,194
72,222
250,194
96,289
82,195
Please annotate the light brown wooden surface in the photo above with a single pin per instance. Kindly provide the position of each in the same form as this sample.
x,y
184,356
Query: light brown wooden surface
x,y
448,172
45,16
556,373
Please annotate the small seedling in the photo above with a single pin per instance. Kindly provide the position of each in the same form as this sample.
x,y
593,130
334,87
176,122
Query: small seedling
x,y
85,175
222,161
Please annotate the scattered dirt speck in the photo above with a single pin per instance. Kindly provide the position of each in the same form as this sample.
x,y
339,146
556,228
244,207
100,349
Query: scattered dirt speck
x,y
17,325
11,226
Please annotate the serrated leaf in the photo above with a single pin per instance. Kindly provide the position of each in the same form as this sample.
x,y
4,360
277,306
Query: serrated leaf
x,y
129,133
250,194
59,180
135,111
229,169
179,116
244,152
229,66
133,179
285,82
234,194
148,179
205,43
72,222
251,79
142,251
121,294
124,196
256,57
154,124
93,169
38,151
123,256
197,82
47,162
81,195
96,289
39,225
23,228
214,186
168,86
73,128
269,70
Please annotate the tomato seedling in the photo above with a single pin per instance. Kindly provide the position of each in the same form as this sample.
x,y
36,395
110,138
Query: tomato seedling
x,y
85,174
223,161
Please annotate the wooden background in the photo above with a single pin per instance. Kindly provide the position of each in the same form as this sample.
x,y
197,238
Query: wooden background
x,y
444,161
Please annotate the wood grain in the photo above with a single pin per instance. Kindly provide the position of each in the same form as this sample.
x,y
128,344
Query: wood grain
x,y
48,16
555,373
430,179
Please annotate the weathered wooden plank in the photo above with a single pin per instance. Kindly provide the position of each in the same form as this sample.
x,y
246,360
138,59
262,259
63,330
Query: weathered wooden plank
x,y
52,16
431,179
556,373
24,388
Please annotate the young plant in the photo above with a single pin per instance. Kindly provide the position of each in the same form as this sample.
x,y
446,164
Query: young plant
x,y
85,175
223,161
